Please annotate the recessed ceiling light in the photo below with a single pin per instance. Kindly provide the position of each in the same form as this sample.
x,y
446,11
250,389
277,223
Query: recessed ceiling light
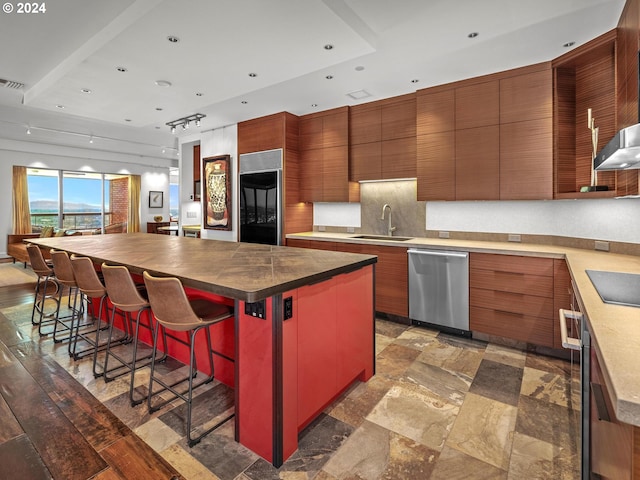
x,y
199,94
253,75
328,46
121,69
59,106
569,44
163,83
244,102
415,80
173,39
127,119
473,35
159,109
85,90
329,77
314,105
359,68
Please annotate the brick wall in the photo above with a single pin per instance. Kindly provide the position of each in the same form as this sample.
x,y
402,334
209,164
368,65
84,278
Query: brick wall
x,y
119,196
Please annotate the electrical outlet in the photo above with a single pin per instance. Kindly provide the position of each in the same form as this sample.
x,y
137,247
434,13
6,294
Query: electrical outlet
x,y
602,246
322,228
443,234
350,230
514,237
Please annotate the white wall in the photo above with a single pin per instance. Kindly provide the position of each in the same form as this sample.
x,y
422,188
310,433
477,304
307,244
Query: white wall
x,y
221,141
154,174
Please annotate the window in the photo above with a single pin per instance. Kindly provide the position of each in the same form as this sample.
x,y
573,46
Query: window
x,y
174,193
78,200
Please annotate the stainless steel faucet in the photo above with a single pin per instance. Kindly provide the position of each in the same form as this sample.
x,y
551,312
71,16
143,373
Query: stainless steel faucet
x,y
390,229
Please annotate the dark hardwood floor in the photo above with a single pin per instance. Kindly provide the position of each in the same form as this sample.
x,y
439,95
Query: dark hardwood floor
x,y
52,427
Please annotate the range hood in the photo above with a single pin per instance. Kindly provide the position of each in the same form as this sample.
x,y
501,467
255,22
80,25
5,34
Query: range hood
x,y
622,152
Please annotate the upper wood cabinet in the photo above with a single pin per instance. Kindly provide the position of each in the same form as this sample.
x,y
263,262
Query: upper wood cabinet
x,y
324,157
493,153
382,139
586,78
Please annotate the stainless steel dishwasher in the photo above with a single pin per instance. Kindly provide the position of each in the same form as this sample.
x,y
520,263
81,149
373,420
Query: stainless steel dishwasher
x,y
439,289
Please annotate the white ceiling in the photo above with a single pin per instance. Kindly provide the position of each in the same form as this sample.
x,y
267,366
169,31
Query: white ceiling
x,y
379,46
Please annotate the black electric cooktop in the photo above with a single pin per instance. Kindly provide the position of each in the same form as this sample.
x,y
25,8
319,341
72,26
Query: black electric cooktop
x,y
616,287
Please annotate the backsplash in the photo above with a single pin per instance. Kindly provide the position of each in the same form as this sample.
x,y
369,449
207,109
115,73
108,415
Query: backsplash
x,y
408,215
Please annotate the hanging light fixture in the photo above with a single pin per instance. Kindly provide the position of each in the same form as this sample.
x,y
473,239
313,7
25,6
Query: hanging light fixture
x,y
184,122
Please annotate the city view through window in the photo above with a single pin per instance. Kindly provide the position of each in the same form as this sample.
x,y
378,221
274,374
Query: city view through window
x,y
77,200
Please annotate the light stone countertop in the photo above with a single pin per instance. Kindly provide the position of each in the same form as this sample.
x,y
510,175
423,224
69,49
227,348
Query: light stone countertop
x,y
615,329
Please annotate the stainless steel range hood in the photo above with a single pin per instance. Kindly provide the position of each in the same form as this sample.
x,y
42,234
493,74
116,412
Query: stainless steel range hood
x,y
622,152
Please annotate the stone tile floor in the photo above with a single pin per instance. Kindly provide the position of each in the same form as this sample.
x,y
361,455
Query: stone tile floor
x,y
439,407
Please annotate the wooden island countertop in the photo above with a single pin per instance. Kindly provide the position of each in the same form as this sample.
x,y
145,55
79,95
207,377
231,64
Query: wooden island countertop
x,y
242,271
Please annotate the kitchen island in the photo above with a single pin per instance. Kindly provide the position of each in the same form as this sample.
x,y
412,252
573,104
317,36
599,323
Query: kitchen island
x,y
303,329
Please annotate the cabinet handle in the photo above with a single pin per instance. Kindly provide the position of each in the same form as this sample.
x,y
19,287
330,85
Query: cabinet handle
x,y
601,405
569,342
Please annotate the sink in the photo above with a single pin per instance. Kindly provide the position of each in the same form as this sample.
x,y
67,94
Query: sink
x,y
616,287
383,237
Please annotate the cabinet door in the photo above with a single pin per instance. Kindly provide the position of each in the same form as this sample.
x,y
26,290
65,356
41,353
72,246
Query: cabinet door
x,y
392,283
335,174
435,166
526,97
478,105
365,162
399,119
310,133
477,166
562,295
435,112
311,181
399,158
526,160
365,124
335,129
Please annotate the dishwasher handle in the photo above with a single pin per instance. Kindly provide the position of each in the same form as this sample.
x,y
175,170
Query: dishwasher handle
x,y
437,253
569,342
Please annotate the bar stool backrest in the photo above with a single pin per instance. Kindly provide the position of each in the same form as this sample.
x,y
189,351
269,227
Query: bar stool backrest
x,y
37,261
122,292
170,304
86,277
62,268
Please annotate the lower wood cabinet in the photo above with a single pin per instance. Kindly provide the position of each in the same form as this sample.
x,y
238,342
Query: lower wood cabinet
x,y
512,296
614,446
392,285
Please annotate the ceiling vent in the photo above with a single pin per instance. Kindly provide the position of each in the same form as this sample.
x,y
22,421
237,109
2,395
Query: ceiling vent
x,y
11,84
359,94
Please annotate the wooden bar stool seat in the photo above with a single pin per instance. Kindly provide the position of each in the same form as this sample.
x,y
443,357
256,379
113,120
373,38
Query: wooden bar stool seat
x,y
173,311
126,297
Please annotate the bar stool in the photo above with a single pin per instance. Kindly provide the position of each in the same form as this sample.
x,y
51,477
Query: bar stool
x,y
126,298
91,288
175,312
64,275
47,288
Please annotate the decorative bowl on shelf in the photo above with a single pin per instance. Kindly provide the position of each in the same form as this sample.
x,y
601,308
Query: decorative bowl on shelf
x,y
157,218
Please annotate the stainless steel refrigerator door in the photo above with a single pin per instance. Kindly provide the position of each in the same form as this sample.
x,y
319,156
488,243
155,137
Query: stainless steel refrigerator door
x,y
439,287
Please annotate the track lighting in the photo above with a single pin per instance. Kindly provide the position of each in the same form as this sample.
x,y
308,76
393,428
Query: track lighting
x,y
186,121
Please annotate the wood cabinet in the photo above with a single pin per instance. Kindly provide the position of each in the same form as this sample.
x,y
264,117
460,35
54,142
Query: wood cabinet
x,y
487,138
563,296
512,296
324,157
382,139
392,287
152,227
614,446
280,130
586,78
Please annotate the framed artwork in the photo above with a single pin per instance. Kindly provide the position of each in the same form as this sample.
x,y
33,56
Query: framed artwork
x,y
216,201
155,199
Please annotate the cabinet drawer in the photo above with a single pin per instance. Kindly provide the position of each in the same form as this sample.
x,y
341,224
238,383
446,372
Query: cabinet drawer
x,y
512,302
512,263
526,328
536,285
